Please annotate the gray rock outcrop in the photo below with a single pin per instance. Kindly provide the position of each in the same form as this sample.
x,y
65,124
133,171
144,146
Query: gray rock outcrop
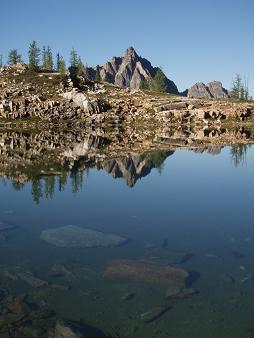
x,y
202,91
129,71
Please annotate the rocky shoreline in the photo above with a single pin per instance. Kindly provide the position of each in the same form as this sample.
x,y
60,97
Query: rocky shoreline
x,y
45,98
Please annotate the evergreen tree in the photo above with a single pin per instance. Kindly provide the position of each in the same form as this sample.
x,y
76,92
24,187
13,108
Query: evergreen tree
x,y
47,58
240,89
14,57
246,88
145,84
34,56
87,72
159,82
74,58
236,88
61,67
80,67
97,76
1,60
44,57
50,63
58,62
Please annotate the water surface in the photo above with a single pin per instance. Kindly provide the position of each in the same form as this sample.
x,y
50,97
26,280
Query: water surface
x,y
184,208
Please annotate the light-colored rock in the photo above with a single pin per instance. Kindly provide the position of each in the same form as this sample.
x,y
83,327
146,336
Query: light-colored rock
x,y
72,236
83,101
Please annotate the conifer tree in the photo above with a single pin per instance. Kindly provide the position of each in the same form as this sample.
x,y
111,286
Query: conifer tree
x,y
240,89
61,67
58,62
74,58
47,58
44,57
80,67
159,82
1,60
14,57
34,56
97,75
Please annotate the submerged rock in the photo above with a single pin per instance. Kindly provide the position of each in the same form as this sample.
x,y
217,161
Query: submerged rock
x,y
61,271
6,226
147,272
65,329
72,236
179,293
155,313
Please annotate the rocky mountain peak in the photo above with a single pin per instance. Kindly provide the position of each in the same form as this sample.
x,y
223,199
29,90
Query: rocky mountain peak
x,y
130,70
130,51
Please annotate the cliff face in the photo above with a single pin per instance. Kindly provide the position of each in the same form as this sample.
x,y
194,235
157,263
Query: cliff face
x,y
130,71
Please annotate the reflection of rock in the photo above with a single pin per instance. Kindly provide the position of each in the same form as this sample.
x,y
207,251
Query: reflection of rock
x,y
147,272
135,166
71,236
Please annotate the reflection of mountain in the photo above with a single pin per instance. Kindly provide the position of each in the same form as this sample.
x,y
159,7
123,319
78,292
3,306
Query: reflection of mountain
x,y
135,166
48,158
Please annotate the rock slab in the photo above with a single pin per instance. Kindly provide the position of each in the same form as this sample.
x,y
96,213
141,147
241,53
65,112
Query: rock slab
x,y
72,236
147,272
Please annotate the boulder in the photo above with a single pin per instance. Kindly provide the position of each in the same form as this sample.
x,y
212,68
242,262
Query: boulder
x,y
89,106
147,272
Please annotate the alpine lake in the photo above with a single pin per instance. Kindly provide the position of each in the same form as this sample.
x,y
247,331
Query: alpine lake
x,y
117,234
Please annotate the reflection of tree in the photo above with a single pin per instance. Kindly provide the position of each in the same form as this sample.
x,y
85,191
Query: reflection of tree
x,y
37,191
49,186
157,158
76,180
62,180
238,154
17,185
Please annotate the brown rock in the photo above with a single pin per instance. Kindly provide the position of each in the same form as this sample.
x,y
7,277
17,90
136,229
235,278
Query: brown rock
x,y
147,272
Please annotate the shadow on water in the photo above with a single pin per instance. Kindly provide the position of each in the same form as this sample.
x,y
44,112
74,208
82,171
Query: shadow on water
x,y
192,278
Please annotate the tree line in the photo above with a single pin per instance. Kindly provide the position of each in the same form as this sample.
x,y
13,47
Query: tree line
x,y
43,60
240,88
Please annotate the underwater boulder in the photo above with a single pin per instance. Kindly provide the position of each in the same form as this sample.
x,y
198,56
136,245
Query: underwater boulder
x,y
72,236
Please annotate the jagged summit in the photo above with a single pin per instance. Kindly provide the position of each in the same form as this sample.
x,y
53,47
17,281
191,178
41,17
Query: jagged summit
x,y
130,70
130,51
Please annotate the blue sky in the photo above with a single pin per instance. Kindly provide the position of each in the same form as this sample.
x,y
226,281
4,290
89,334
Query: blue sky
x,y
192,40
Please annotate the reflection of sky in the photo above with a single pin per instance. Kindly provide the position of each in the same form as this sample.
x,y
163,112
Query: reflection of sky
x,y
194,191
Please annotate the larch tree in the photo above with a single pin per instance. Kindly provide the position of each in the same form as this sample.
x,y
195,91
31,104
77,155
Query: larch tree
x,y
34,56
14,57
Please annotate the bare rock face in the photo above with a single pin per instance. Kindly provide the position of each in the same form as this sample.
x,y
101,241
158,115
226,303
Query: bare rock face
x,y
212,90
216,90
199,90
130,71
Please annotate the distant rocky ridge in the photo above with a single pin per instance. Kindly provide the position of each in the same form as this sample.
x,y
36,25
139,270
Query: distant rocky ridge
x,y
202,91
129,71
